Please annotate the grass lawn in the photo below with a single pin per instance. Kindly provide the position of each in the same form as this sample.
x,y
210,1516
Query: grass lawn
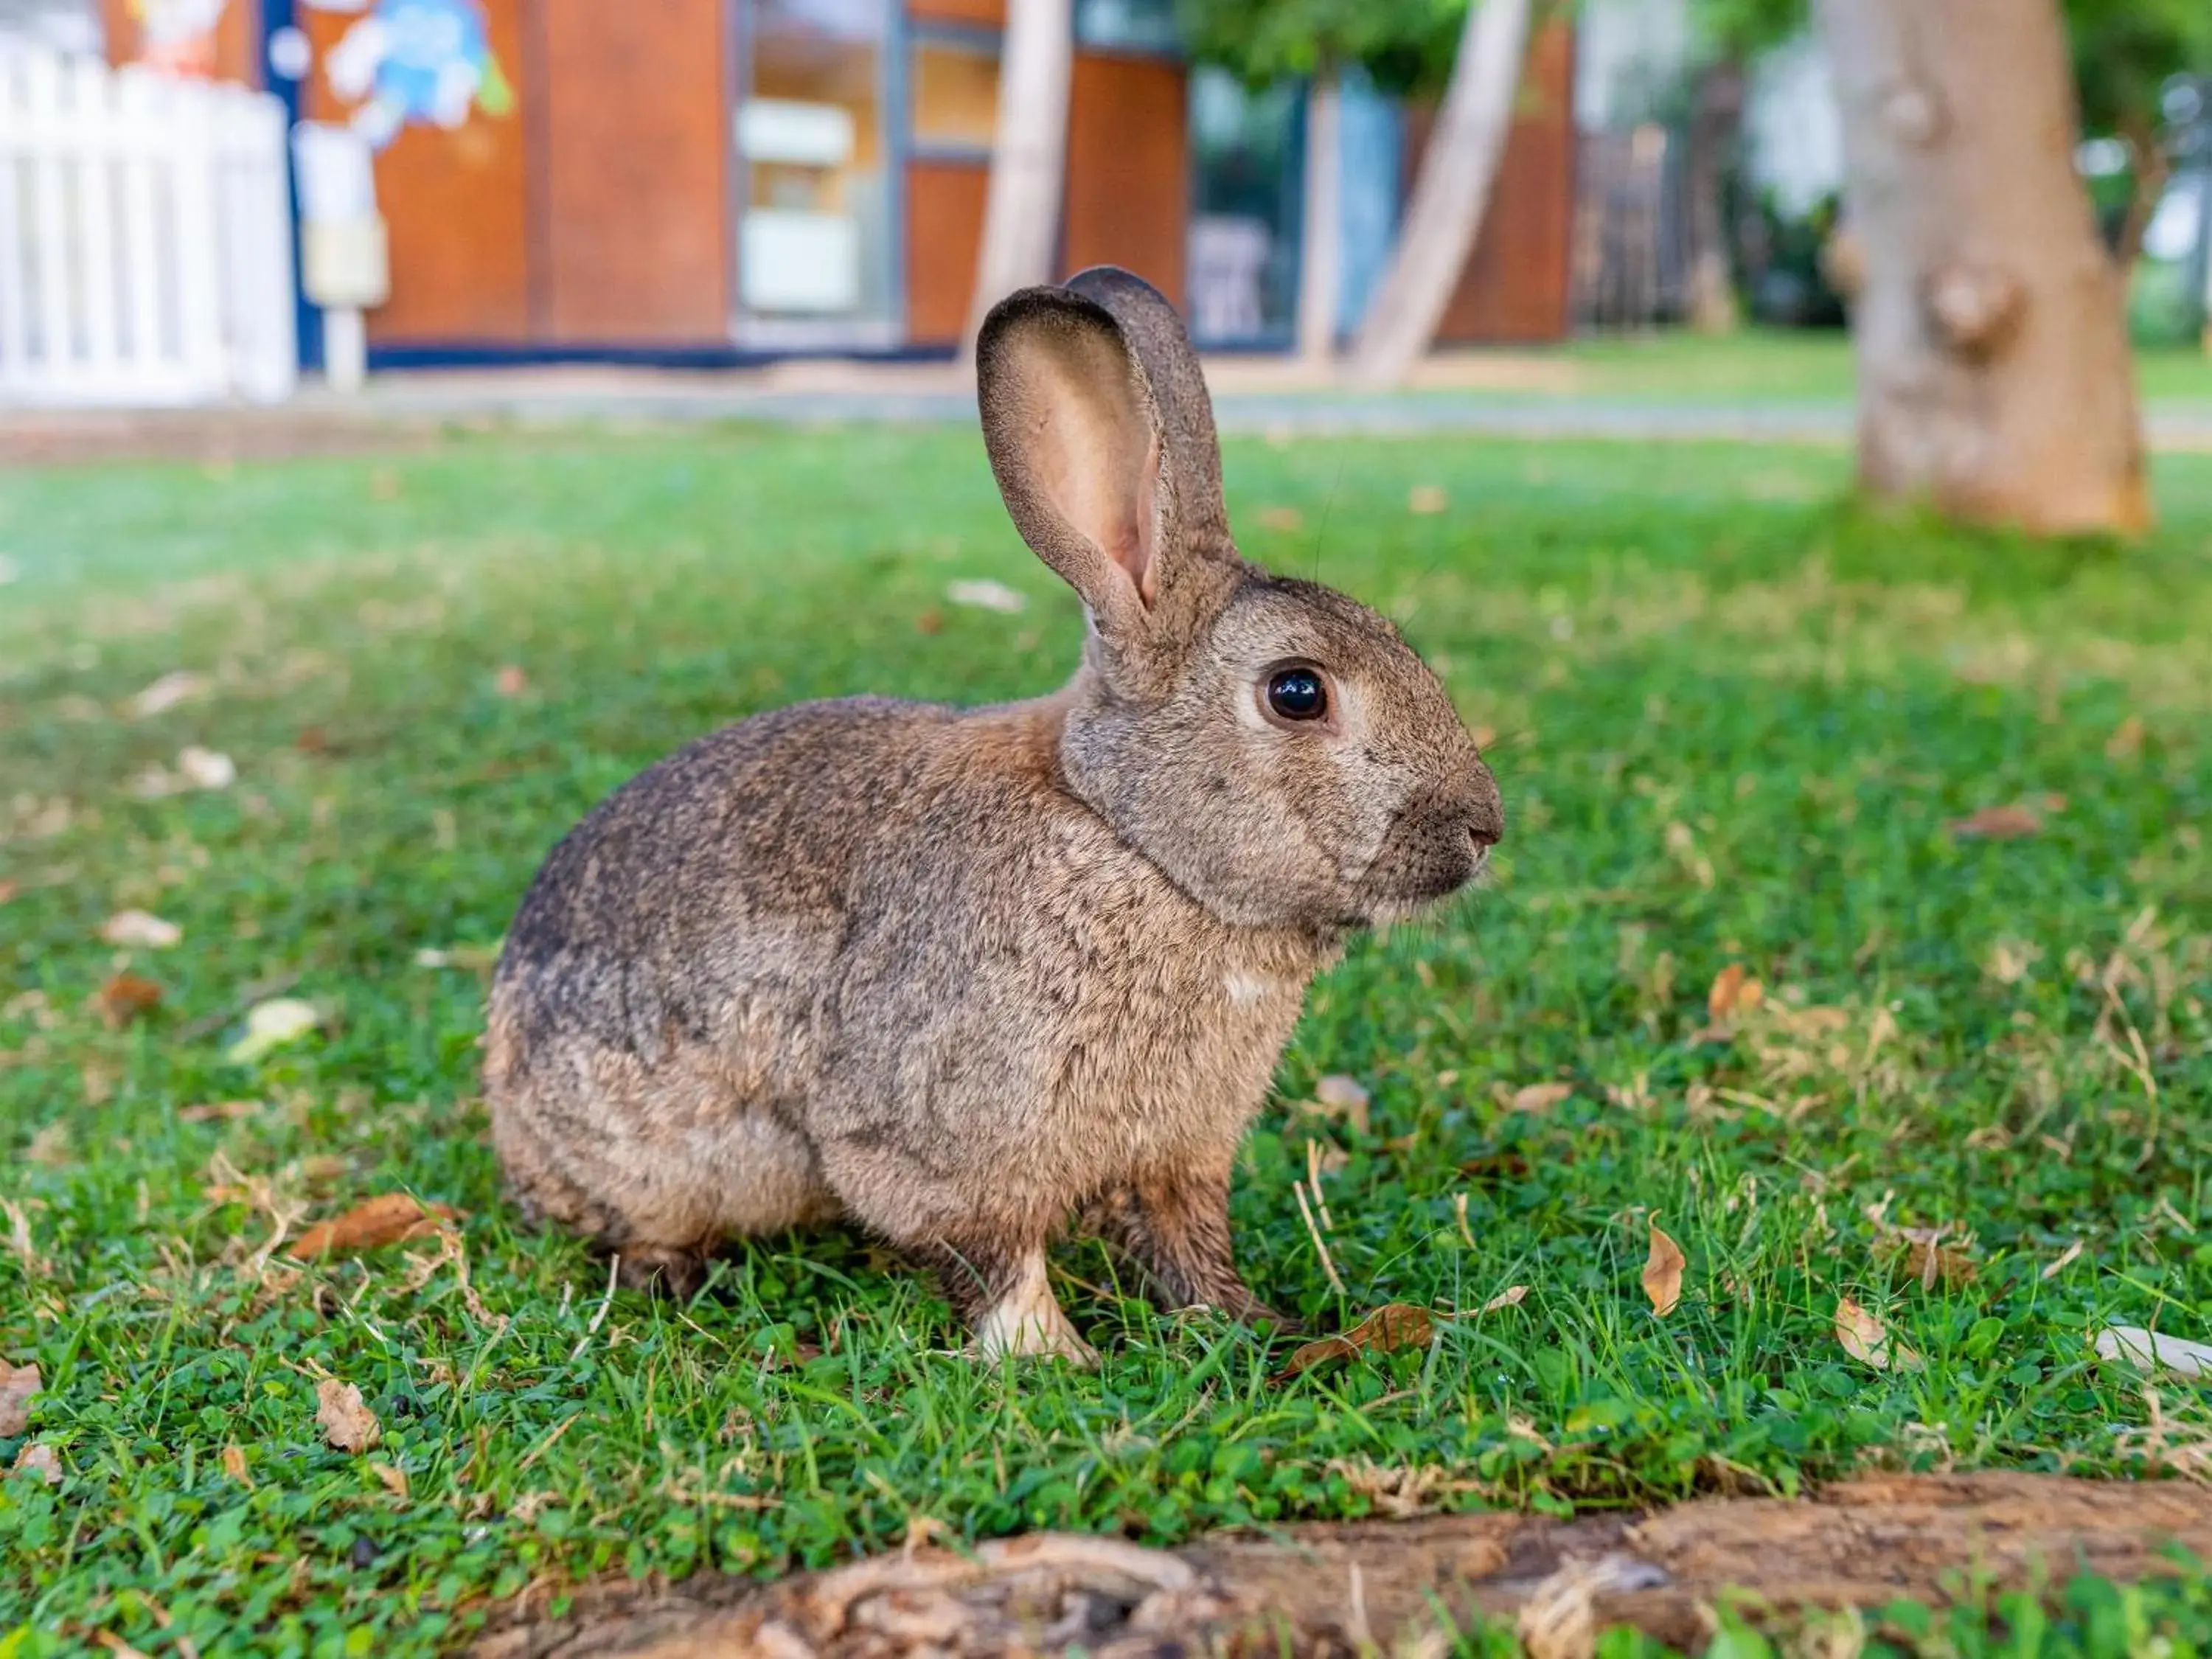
x,y
1674,366
1734,724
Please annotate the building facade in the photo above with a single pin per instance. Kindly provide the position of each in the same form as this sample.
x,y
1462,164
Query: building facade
x,y
718,180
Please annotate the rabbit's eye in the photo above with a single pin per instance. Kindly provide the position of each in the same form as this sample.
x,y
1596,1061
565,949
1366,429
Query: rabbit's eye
x,y
1297,694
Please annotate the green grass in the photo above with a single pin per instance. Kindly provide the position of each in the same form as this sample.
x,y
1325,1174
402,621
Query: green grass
x,y
1732,721
1674,366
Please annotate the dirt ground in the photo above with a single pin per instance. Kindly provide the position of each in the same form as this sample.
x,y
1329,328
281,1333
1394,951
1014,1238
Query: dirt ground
x,y
1340,1590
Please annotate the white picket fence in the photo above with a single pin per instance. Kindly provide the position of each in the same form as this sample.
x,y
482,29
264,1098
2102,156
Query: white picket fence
x,y
145,238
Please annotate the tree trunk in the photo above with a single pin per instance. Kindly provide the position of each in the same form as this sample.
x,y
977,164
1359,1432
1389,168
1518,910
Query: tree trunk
x,y
2148,173
1446,209
1029,153
1715,124
1320,255
1995,377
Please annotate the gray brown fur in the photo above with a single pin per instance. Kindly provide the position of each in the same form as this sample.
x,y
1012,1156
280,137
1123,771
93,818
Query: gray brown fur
x,y
958,975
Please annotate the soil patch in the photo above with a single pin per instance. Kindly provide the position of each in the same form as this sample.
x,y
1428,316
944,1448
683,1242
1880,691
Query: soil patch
x,y
1334,1589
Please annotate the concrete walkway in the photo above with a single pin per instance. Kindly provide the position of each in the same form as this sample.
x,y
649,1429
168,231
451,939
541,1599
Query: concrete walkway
x,y
1501,395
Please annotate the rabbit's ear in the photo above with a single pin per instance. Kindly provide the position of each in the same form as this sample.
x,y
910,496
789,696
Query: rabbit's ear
x,y
1075,442
1193,454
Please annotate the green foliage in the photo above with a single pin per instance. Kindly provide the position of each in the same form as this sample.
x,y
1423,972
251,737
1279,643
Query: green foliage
x,y
1732,722
2126,51
1406,45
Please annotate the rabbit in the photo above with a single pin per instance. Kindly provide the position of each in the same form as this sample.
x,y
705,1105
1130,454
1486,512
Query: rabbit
x,y
956,975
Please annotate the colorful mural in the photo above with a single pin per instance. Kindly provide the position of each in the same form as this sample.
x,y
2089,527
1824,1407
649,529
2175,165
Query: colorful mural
x,y
178,36
410,62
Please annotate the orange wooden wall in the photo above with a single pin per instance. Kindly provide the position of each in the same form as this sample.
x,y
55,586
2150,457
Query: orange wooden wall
x,y
629,113
1128,168
1516,283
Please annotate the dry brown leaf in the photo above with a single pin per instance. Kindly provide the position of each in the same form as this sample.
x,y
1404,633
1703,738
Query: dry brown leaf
x,y
2127,739
1663,1272
1733,992
1510,1297
1537,1098
510,681
17,1384
1867,1339
1928,1258
2008,822
929,621
347,1424
1425,499
124,998
136,928
2052,1269
1281,517
8,891
233,1465
42,1460
213,1111
1339,1095
387,1218
1388,1328
394,1480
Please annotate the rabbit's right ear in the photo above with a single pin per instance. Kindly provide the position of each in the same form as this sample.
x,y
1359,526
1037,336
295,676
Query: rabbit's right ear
x,y
1075,442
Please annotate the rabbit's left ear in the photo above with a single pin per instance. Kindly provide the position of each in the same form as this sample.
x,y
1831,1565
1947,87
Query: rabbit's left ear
x,y
1074,438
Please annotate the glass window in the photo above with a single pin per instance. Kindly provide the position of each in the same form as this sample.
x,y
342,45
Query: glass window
x,y
814,241
1245,201
1131,25
955,88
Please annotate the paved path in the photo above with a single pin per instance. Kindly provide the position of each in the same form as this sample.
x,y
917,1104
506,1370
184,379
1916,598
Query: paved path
x,y
1252,397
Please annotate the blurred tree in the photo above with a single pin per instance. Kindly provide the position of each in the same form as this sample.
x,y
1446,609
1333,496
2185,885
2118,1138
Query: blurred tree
x,y
2125,53
1405,46
1445,212
1029,150
1995,377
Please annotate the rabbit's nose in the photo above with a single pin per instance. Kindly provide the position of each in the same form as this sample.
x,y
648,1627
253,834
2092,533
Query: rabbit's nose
x,y
1485,812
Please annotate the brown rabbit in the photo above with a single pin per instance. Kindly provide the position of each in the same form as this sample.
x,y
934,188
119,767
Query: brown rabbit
x,y
955,974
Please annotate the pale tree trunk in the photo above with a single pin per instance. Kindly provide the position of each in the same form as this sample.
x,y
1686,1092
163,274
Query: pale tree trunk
x,y
1715,125
1453,188
1321,258
1029,153
1995,377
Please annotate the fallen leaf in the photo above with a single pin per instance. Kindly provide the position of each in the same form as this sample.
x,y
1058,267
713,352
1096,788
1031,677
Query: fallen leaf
x,y
270,1025
17,1384
2052,1270
1425,499
1928,1259
137,929
50,1147
1998,824
1733,992
167,692
8,891
206,769
233,1465
2010,960
1663,1272
392,1480
510,681
1537,1098
1867,1339
124,998
1511,1297
1281,517
930,622
218,1111
2127,739
388,1218
1388,1328
42,1460
987,596
347,1424
1343,1096
2152,1351
313,740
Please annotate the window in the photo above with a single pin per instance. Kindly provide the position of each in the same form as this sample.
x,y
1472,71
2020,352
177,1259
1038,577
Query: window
x,y
1126,25
955,93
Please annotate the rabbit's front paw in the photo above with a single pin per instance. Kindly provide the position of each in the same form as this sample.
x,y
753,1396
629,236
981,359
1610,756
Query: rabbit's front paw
x,y
1027,1323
